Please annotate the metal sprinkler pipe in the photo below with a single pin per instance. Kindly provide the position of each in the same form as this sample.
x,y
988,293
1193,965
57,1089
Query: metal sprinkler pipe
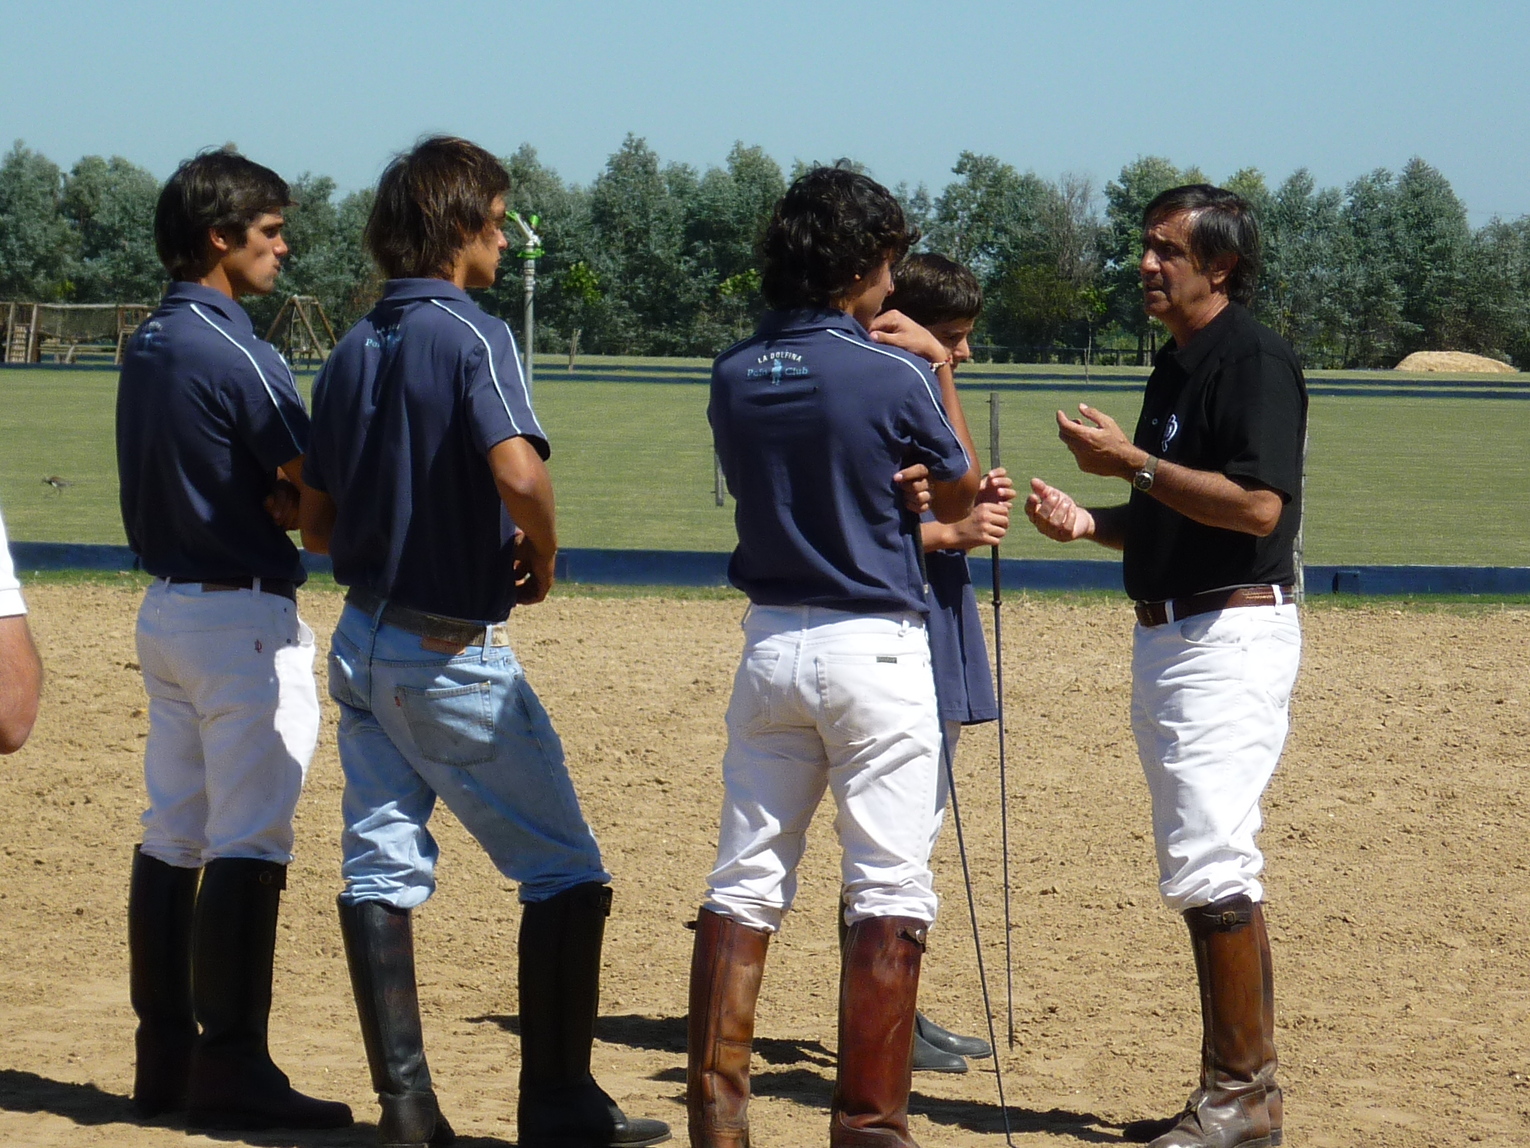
x,y
530,252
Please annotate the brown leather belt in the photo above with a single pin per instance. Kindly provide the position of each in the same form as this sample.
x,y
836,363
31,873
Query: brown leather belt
x,y
282,587
438,627
1161,613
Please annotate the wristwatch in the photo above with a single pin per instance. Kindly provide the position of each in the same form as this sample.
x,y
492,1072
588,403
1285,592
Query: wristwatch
x,y
1143,479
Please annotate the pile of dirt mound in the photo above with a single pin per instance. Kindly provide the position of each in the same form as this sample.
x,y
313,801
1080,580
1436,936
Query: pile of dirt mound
x,y
1452,362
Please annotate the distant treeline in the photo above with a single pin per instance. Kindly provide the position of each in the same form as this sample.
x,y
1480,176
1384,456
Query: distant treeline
x,y
658,258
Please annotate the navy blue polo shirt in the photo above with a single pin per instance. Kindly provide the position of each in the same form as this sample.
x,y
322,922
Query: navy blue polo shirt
x,y
958,653
811,420
405,412
206,413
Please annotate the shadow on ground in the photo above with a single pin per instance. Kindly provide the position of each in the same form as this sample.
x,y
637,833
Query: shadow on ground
x,y
787,1078
667,1034
86,1104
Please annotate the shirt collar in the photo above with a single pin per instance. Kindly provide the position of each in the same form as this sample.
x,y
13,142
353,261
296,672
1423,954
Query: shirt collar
x,y
184,293
810,319
405,290
1193,354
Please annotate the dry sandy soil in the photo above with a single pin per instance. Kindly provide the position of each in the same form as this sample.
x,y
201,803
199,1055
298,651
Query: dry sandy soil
x,y
1453,361
1399,911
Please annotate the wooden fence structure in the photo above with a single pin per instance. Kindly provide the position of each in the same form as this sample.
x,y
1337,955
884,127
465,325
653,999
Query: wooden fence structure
x,y
68,332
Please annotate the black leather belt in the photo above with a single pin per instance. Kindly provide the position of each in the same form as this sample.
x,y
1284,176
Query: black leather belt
x,y
454,631
1172,610
281,587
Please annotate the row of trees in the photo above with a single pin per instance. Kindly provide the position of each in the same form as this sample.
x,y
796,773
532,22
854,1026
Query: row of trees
x,y
658,258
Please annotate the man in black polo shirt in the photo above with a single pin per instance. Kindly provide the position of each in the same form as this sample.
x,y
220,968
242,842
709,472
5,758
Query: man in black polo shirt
x,y
1208,533
207,418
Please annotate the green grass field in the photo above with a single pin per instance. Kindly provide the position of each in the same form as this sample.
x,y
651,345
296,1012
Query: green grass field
x,y
1390,480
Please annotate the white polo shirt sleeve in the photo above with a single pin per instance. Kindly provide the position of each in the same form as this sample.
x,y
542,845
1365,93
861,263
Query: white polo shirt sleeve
x,y
11,602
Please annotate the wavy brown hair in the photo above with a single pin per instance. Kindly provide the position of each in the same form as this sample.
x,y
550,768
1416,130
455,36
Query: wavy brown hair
x,y
832,226
932,289
216,190
431,201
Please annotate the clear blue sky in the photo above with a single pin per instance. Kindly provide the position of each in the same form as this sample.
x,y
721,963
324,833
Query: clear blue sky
x,y
334,87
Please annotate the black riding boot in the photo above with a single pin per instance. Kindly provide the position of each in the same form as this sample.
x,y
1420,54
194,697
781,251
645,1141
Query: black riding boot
x,y
234,1084
560,1105
161,905
379,948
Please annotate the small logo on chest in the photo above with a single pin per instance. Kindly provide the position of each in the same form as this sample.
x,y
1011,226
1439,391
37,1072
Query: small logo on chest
x,y
1171,428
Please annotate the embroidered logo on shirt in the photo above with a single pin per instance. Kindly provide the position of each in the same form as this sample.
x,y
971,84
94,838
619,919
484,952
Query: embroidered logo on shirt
x,y
777,368
385,339
1169,431
892,659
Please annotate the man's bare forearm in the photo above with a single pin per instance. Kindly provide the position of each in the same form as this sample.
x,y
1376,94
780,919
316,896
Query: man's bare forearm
x,y
1213,499
939,536
952,501
316,520
526,489
1207,497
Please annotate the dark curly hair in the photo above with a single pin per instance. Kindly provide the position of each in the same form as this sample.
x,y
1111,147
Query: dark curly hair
x,y
1221,223
832,225
430,202
217,190
932,289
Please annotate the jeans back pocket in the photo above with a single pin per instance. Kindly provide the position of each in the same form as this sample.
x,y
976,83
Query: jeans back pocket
x,y
453,725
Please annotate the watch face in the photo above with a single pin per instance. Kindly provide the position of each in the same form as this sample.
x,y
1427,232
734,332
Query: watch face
x,y
1142,480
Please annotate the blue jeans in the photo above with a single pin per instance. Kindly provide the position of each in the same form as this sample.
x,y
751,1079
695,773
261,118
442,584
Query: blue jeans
x,y
466,726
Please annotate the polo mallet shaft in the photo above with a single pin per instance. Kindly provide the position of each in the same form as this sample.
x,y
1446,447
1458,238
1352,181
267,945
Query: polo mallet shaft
x,y
998,677
977,944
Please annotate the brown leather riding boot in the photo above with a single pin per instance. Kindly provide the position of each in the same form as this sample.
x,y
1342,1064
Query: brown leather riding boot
x,y
879,983
1274,1100
726,966
1229,1110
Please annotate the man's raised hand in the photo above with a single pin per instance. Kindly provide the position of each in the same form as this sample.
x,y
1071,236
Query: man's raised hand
x,y
1056,515
1101,449
897,330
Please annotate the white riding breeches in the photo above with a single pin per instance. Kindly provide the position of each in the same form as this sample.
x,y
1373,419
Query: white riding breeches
x,y
1211,701
826,699
233,721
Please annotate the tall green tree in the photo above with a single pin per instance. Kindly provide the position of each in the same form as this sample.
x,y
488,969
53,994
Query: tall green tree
x,y
37,244
1049,292
1301,285
1373,327
726,219
1432,240
1496,309
918,210
989,218
638,212
110,204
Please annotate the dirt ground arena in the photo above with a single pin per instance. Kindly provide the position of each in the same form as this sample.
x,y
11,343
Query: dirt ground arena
x,y
1398,887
